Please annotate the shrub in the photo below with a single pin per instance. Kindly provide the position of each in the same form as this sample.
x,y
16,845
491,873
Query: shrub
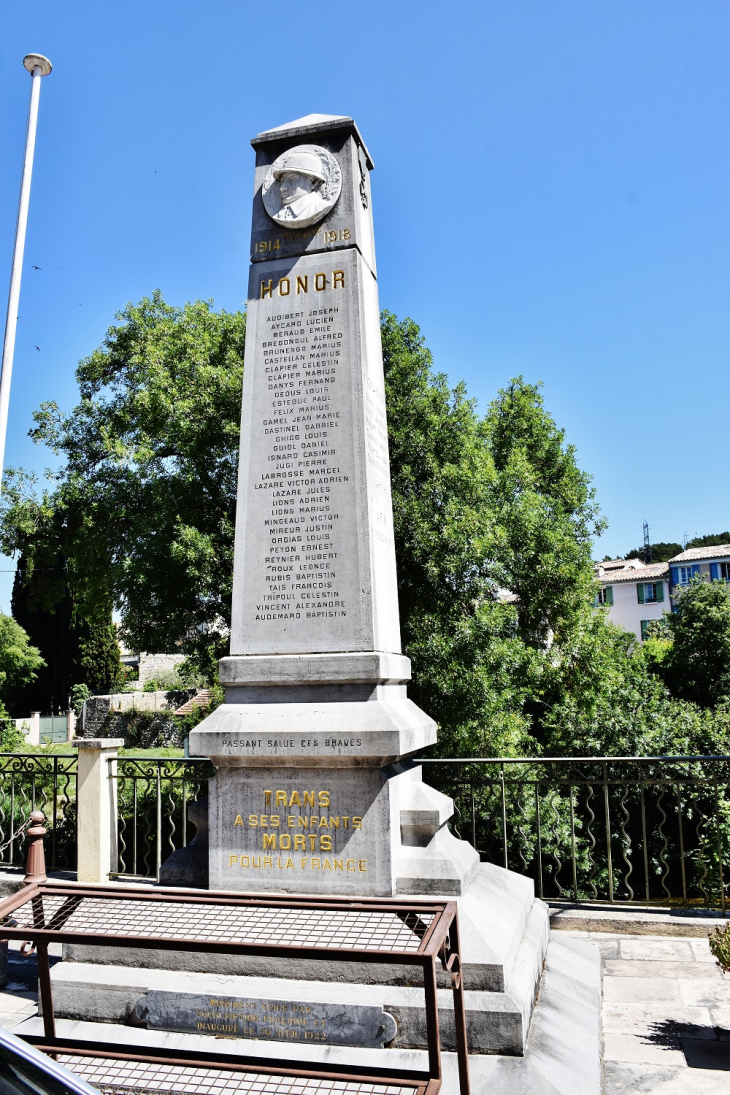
x,y
720,946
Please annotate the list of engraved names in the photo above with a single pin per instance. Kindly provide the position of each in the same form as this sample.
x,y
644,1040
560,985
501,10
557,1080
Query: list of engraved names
x,y
302,460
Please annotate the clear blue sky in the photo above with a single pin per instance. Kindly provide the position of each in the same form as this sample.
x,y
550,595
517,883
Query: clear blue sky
x,y
551,198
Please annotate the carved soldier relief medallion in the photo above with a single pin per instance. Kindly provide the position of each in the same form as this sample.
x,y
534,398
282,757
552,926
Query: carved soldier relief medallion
x,y
302,186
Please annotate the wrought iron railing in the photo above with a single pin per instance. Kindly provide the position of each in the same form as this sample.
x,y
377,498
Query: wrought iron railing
x,y
153,795
30,781
621,830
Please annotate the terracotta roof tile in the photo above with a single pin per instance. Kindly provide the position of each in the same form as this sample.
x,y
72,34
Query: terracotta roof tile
x,y
719,551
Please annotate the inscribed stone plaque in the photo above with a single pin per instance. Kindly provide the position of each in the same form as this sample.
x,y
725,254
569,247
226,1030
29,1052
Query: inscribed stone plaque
x,y
277,1020
304,830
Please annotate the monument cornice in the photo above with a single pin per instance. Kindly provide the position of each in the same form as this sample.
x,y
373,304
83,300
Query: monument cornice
x,y
302,127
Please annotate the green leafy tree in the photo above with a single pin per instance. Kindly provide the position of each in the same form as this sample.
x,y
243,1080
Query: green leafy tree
x,y
73,630
712,540
19,660
696,665
493,525
660,553
545,512
149,477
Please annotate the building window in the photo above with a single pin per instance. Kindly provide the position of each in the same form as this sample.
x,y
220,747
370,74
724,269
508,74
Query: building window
x,y
682,576
645,629
649,593
604,596
725,572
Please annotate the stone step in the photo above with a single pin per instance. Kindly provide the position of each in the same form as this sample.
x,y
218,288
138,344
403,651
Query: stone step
x,y
562,1054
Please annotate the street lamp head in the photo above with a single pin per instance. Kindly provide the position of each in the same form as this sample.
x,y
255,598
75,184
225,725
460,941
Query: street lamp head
x,y
37,60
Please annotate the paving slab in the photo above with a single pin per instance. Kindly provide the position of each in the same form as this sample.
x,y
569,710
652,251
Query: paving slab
x,y
657,950
641,968
629,990
649,1019
637,1049
666,1019
705,994
627,1079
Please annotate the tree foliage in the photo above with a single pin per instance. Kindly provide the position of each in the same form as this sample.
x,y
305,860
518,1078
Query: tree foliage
x,y
20,661
493,524
149,476
695,663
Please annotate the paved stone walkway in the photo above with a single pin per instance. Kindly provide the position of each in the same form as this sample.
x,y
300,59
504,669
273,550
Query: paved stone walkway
x,y
666,1016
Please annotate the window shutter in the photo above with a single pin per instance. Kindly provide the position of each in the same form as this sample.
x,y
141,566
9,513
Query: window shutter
x,y
660,591
695,569
715,572
674,571
640,592
609,595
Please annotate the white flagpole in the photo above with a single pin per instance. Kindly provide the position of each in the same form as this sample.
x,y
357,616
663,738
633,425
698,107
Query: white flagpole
x,y
38,66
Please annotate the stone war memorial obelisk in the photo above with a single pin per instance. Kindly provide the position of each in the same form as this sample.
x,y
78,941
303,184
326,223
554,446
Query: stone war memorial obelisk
x,y
313,793
316,791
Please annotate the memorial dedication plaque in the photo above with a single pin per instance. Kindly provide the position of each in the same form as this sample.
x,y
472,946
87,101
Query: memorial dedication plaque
x,y
276,1020
302,830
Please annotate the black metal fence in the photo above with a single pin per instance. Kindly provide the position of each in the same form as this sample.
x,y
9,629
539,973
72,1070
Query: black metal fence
x,y
153,795
30,781
622,830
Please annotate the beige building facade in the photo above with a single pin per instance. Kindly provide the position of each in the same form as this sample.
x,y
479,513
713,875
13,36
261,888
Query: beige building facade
x,y
634,593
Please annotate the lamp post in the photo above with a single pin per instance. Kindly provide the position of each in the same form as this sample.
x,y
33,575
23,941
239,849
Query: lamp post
x,y
37,66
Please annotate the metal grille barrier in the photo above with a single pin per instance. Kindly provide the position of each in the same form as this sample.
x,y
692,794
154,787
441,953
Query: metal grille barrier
x,y
617,830
154,794
30,781
405,931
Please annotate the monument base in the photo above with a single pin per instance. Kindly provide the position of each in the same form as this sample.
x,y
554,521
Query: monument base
x,y
562,1054
504,933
